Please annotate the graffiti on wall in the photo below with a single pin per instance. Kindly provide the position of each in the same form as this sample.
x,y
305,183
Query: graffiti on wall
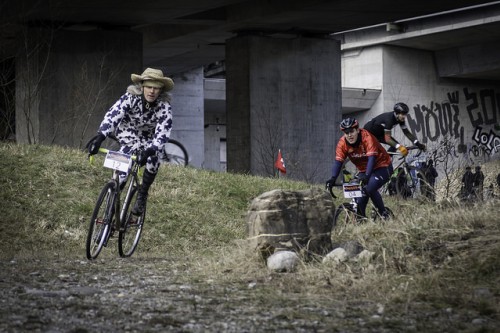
x,y
488,142
435,120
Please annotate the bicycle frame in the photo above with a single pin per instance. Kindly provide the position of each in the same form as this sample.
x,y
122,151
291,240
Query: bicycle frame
x,y
354,191
131,178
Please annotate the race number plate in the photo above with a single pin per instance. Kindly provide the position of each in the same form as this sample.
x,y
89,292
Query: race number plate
x,y
352,191
118,161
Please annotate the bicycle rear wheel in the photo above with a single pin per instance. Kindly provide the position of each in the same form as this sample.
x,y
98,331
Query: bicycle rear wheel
x,y
175,153
345,217
375,215
100,222
131,227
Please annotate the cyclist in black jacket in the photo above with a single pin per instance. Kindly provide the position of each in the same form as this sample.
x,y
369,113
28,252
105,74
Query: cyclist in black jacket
x,y
381,127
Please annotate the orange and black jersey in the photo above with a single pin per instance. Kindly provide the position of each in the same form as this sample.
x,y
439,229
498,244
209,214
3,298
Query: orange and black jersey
x,y
358,154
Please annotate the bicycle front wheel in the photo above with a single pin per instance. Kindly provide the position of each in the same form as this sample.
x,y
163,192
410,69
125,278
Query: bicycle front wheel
x,y
175,153
131,226
100,222
344,218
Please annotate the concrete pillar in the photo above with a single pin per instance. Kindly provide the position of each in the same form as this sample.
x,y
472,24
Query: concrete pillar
x,y
66,80
283,94
215,125
188,114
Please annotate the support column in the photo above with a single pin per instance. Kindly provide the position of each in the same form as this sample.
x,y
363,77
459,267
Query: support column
x,y
283,94
188,114
67,80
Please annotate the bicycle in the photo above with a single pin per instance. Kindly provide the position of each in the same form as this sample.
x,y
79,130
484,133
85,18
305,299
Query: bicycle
x,y
175,153
407,177
108,215
347,212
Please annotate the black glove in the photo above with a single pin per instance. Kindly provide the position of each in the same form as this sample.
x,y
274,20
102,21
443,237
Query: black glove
x,y
143,157
95,143
421,146
363,179
330,183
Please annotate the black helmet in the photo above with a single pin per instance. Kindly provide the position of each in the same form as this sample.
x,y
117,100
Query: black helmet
x,y
348,123
401,108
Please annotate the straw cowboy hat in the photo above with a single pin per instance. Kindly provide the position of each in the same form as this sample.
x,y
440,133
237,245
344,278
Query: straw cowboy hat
x,y
156,78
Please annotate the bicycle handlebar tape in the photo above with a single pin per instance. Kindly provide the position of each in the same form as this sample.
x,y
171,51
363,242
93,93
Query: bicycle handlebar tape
x,y
402,149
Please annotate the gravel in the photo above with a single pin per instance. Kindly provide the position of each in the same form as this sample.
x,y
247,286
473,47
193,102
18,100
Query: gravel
x,y
160,295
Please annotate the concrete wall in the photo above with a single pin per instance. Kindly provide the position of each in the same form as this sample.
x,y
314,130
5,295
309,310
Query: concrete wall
x,y
188,114
69,80
362,68
467,112
215,125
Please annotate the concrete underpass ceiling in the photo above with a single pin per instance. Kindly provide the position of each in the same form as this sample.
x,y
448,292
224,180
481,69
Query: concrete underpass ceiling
x,y
181,35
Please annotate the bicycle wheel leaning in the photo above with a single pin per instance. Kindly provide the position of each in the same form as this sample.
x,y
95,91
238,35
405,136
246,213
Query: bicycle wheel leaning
x,y
100,222
175,153
131,228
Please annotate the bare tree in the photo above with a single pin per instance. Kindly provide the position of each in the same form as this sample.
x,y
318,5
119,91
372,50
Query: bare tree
x,y
268,141
450,163
7,99
88,99
34,57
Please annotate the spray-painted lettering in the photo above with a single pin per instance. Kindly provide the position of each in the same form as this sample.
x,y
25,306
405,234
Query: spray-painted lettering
x,y
489,141
434,120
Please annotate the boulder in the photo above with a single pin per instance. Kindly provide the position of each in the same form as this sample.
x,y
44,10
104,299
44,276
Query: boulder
x,y
291,220
283,261
337,256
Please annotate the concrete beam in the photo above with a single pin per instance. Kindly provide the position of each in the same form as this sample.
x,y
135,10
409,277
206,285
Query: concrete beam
x,y
469,61
356,99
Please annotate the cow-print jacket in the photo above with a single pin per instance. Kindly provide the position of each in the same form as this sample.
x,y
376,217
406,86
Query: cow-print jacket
x,y
137,123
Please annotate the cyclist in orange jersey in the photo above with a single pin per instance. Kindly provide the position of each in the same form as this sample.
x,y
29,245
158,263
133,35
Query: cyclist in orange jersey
x,y
369,157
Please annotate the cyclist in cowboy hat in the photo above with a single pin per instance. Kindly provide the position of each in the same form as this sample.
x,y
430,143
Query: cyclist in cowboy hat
x,y
141,119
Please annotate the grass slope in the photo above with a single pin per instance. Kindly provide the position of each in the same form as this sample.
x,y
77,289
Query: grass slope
x,y
432,256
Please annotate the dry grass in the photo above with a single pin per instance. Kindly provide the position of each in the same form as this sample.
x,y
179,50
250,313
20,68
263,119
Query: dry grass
x,y
438,255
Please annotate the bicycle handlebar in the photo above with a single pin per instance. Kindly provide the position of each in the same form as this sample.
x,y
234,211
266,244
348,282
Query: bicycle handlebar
x,y
354,181
105,151
408,148
331,192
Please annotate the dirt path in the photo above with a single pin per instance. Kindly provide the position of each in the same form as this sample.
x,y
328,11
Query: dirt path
x,y
157,295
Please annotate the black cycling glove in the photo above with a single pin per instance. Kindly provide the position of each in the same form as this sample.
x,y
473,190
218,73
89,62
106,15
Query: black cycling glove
x,y
363,179
95,143
330,183
421,146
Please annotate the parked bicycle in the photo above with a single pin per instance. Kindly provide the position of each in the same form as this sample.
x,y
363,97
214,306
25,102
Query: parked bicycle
x,y
109,214
347,212
175,153
407,176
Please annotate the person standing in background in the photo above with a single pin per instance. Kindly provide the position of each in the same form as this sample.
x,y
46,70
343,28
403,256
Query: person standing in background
x,y
478,183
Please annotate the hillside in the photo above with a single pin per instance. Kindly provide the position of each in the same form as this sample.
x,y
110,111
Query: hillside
x,y
436,269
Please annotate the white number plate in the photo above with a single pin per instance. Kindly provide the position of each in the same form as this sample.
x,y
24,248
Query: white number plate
x,y
352,191
118,161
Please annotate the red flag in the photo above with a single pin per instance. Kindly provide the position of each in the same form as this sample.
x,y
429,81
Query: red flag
x,y
280,163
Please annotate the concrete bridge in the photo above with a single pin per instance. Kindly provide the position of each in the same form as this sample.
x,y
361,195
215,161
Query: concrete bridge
x,y
285,71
